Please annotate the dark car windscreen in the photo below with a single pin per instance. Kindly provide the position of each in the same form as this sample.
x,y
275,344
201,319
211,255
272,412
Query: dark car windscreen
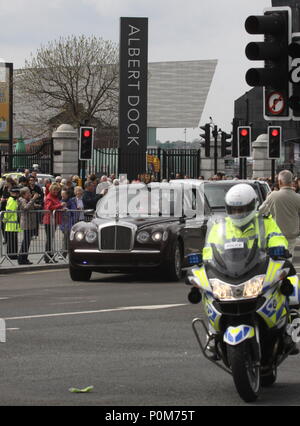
x,y
215,193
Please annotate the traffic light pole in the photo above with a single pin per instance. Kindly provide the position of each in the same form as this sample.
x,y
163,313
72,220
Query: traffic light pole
x,y
273,166
215,134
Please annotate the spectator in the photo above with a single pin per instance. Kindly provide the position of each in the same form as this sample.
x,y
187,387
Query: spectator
x,y
89,198
27,222
47,183
23,182
12,226
39,201
69,188
284,205
75,180
52,203
76,203
26,173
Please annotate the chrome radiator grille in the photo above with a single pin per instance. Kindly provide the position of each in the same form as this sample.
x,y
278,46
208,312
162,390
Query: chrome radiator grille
x,y
116,237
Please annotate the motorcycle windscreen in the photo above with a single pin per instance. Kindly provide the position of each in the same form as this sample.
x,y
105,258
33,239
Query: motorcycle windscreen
x,y
237,256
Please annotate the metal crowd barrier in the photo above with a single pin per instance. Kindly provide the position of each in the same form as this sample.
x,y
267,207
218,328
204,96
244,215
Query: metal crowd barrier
x,y
37,235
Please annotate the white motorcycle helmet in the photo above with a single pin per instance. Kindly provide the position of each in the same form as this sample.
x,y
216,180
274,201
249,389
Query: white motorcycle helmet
x,y
241,204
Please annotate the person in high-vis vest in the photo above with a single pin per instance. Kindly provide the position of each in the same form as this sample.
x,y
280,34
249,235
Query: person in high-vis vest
x,y
243,222
12,225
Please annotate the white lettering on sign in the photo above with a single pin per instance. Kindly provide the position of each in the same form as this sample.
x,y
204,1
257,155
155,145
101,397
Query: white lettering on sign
x,y
295,73
134,76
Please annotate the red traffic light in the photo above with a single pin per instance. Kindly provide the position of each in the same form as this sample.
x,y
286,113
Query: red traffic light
x,y
275,132
244,132
87,133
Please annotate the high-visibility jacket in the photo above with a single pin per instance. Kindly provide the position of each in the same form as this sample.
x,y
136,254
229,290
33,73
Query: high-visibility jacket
x,y
11,217
265,228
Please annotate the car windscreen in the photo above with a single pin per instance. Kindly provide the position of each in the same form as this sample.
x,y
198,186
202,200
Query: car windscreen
x,y
215,193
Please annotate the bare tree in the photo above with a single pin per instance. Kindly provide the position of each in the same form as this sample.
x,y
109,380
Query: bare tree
x,y
72,80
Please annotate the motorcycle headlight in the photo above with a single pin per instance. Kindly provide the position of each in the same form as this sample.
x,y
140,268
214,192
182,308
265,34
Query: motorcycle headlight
x,y
91,236
72,234
143,237
79,236
253,287
221,290
248,290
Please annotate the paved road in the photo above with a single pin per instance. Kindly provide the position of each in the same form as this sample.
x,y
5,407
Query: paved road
x,y
129,338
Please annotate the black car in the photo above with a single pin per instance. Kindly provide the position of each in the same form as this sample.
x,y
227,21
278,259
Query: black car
x,y
138,227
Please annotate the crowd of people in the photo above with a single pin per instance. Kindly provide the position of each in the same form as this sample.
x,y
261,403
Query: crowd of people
x,y
28,202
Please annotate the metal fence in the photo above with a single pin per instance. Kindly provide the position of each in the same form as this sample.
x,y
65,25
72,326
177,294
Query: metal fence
x,y
165,164
30,237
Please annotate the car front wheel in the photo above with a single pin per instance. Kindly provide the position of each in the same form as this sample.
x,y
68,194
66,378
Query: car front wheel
x,y
78,274
174,267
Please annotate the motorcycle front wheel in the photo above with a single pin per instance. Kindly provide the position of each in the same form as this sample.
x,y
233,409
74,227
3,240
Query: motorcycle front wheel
x,y
246,375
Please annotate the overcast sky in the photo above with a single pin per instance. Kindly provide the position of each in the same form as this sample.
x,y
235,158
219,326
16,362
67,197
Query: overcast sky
x,y
178,30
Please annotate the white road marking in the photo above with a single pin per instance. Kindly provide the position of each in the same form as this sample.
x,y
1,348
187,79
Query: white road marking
x,y
126,308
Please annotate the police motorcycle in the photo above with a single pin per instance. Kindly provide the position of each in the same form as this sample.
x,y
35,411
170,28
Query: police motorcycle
x,y
249,298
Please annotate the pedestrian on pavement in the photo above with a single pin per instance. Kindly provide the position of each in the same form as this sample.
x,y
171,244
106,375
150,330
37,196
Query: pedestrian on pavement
x,y
284,205
12,225
52,203
27,222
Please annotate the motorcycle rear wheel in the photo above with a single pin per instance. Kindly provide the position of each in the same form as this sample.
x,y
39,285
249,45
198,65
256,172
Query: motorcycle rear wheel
x,y
246,375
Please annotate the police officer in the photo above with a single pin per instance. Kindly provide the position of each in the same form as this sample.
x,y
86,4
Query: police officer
x,y
11,220
244,222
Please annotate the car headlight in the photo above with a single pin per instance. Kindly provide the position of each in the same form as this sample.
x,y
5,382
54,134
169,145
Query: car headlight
x,y
157,236
79,236
91,236
254,287
143,237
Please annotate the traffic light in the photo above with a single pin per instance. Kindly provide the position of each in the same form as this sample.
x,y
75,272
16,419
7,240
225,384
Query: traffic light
x,y
275,25
86,142
225,145
274,142
234,143
206,137
294,52
244,141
